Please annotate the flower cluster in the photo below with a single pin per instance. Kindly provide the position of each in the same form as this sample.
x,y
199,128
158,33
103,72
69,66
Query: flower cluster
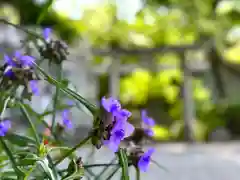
x,y
54,50
119,128
18,69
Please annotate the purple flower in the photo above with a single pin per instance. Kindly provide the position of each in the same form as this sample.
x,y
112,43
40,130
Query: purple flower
x,y
47,33
10,64
145,159
34,86
27,61
121,127
111,105
147,120
66,121
9,61
122,114
4,127
18,60
147,123
121,130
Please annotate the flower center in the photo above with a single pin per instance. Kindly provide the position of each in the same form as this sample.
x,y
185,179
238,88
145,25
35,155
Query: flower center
x,y
120,133
146,159
114,107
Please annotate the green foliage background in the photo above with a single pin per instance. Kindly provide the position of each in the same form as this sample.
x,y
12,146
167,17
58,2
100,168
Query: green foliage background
x,y
168,22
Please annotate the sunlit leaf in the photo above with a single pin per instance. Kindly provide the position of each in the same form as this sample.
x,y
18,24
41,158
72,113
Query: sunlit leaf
x,y
161,133
224,7
233,54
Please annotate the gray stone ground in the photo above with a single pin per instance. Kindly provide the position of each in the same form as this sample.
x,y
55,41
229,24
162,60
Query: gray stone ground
x,y
218,161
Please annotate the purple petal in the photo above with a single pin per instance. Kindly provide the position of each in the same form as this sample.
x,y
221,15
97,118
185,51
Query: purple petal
x,y
4,127
112,144
8,72
65,114
149,132
147,120
34,87
7,124
46,33
8,60
144,113
143,165
119,125
129,129
149,152
68,123
70,102
144,160
122,114
111,105
17,54
27,60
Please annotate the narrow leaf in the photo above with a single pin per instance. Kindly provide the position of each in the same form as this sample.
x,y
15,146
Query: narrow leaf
x,y
19,139
92,108
28,118
45,10
122,155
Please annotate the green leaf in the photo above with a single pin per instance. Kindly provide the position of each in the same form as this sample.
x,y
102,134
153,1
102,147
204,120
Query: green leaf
x,y
55,100
8,175
23,108
92,108
138,175
27,162
59,108
123,159
8,151
74,171
19,139
68,153
46,8
44,164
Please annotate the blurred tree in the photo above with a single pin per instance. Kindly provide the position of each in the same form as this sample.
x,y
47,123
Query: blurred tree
x,y
165,22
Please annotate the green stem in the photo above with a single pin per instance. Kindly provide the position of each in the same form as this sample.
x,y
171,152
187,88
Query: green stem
x,y
99,165
84,141
11,157
123,159
23,29
4,107
59,78
138,175
45,10
34,131
92,108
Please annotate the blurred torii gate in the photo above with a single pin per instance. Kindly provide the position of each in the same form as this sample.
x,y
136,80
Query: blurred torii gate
x,y
115,69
